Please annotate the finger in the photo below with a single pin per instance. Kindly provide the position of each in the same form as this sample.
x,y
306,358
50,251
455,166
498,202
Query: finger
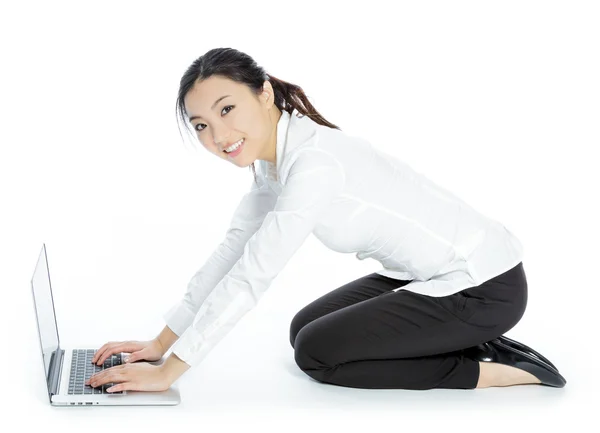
x,y
99,352
110,352
111,375
112,348
103,373
104,352
103,357
123,386
95,379
133,356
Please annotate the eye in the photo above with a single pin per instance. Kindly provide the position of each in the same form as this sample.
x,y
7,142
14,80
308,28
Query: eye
x,y
227,106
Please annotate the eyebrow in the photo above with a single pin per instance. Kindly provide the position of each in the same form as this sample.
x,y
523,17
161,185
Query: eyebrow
x,y
212,108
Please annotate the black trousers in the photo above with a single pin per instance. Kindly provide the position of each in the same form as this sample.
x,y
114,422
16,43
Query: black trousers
x,y
364,335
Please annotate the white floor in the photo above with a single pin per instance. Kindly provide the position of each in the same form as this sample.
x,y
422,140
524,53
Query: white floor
x,y
251,379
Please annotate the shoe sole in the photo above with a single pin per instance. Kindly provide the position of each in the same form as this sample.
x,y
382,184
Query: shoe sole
x,y
507,341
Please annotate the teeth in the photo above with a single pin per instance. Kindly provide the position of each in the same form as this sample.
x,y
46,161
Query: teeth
x,y
234,146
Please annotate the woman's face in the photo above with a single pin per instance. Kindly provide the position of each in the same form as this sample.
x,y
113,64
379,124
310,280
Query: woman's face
x,y
219,122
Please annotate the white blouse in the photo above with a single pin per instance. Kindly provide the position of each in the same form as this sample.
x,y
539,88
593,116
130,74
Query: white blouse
x,y
355,199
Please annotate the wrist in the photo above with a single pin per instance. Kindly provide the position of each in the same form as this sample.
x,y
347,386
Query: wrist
x,y
173,368
166,339
160,345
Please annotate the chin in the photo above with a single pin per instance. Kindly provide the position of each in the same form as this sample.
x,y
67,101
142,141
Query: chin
x,y
244,164
243,161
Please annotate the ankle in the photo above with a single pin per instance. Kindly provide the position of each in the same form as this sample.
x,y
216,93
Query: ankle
x,y
488,375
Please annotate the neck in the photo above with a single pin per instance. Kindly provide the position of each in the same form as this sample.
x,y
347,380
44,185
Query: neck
x,y
271,155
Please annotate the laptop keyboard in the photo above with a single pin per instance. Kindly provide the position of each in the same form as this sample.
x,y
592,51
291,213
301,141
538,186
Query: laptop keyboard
x,y
82,369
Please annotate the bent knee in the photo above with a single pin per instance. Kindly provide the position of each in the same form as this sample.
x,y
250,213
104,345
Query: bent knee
x,y
298,322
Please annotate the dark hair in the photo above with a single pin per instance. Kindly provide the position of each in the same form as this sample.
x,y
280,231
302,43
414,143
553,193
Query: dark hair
x,y
240,67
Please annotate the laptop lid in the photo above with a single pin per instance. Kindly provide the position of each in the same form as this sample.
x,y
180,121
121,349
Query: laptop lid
x,y
43,302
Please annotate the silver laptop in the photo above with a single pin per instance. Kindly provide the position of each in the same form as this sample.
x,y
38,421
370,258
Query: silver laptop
x,y
68,368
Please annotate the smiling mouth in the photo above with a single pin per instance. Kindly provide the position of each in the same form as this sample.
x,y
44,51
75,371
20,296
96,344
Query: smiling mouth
x,y
237,150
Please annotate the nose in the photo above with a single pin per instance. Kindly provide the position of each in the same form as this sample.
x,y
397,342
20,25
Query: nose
x,y
220,144
221,140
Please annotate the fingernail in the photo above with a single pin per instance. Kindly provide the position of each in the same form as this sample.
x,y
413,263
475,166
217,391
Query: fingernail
x,y
127,359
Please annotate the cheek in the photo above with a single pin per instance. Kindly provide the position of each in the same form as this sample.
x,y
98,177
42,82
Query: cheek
x,y
258,135
253,129
212,148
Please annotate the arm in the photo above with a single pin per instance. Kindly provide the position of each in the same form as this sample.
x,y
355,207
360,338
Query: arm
x,y
166,338
246,219
315,179
173,368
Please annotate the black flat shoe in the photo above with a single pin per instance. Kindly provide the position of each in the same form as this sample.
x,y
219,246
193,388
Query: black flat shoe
x,y
496,351
505,340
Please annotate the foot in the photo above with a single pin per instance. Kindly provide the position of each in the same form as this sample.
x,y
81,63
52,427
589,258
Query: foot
x,y
495,374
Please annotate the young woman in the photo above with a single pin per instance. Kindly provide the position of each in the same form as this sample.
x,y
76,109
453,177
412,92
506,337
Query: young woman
x,y
452,280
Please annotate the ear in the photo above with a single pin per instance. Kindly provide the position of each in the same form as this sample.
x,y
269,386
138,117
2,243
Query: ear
x,y
268,93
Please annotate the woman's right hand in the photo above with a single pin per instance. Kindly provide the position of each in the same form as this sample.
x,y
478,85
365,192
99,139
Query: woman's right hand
x,y
150,350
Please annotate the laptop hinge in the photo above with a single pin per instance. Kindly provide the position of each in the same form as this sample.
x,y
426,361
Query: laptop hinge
x,y
55,371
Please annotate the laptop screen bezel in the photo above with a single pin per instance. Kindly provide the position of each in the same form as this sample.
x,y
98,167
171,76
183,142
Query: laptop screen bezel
x,y
52,374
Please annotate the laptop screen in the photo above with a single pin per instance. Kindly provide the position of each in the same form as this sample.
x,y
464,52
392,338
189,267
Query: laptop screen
x,y
44,310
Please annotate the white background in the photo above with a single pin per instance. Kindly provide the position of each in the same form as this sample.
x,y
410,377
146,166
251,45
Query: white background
x,y
495,101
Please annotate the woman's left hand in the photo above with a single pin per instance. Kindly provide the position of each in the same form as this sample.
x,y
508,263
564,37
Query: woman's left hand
x,y
140,376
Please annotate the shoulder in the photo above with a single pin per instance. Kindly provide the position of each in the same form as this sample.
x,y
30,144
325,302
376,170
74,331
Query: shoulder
x,y
313,160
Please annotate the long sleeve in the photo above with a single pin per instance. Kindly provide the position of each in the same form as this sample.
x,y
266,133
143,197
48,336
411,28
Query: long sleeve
x,y
315,179
246,219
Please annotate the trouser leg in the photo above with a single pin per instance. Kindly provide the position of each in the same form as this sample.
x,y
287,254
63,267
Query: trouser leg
x,y
365,335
